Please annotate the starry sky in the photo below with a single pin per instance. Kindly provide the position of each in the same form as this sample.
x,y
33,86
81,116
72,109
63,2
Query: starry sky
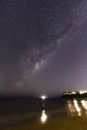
x,y
43,46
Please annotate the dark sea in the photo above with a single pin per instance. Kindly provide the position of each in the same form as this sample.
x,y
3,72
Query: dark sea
x,y
11,106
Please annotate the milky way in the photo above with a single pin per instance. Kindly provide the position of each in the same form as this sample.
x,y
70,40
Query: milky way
x,y
42,46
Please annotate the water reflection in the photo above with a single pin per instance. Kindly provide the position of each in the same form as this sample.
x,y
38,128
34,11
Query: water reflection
x,y
43,116
71,109
84,104
77,107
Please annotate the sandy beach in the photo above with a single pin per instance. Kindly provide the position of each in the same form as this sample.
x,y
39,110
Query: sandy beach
x,y
63,123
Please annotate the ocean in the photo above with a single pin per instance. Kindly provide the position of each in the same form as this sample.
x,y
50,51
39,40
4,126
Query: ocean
x,y
15,112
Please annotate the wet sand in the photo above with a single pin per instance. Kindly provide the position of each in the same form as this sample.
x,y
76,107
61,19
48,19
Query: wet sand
x,y
61,123
16,121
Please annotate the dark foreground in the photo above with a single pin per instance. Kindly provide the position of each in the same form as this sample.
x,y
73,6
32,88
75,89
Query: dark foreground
x,y
35,114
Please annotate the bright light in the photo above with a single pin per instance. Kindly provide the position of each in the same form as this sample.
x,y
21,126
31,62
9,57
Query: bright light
x,y
43,117
77,107
82,92
73,92
43,97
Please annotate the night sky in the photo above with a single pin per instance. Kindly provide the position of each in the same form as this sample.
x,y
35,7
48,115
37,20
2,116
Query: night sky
x,y
43,46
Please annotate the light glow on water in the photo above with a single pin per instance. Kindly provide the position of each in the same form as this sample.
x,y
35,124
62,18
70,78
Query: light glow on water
x,y
71,107
84,104
43,117
76,105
